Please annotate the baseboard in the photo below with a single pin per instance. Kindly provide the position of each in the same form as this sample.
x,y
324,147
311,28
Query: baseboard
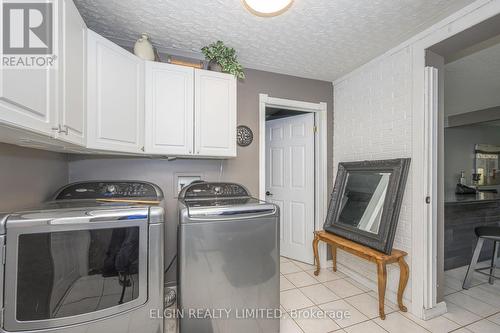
x,y
438,310
322,249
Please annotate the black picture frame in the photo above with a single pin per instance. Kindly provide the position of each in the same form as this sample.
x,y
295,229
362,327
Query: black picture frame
x,y
384,239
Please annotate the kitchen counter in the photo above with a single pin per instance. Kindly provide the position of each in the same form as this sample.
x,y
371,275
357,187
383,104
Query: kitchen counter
x,y
462,214
453,198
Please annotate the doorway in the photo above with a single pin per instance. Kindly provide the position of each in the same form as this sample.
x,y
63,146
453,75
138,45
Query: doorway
x,y
290,178
292,171
462,111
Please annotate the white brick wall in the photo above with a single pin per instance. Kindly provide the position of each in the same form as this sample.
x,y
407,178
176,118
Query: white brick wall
x,y
372,120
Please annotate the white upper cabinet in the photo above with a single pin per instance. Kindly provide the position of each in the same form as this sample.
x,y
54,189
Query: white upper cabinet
x,y
174,94
101,97
50,101
28,97
169,109
71,121
215,114
115,97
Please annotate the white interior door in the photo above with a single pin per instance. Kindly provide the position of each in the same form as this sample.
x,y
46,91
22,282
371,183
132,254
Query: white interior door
x,y
290,182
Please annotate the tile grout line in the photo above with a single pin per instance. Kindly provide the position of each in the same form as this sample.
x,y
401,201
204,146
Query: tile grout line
x,y
340,298
345,299
474,321
373,321
476,299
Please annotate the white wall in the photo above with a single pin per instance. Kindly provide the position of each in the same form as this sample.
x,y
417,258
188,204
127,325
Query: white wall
x,y
372,120
392,87
473,82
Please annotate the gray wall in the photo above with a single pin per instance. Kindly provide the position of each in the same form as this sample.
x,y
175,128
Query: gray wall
x,y
245,168
29,177
459,150
158,171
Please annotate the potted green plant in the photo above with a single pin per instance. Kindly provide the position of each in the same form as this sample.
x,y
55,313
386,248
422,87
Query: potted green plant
x,y
223,59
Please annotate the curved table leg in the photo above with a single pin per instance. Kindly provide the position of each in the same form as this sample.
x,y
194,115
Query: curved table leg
x,y
382,282
403,280
316,255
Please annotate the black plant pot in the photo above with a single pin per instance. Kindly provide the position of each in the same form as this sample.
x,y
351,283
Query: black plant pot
x,y
214,66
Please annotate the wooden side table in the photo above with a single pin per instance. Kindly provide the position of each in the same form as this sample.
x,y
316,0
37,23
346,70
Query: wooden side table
x,y
379,258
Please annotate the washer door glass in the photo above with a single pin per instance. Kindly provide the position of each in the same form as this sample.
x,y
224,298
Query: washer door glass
x,y
69,273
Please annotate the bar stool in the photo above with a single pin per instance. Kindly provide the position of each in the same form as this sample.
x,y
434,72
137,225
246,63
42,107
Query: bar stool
x,y
483,233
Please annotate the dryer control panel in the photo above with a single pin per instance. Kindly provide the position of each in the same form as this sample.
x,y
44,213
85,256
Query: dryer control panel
x,y
201,190
110,190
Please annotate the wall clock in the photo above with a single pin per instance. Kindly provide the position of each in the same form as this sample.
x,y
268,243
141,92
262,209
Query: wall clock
x,y
244,136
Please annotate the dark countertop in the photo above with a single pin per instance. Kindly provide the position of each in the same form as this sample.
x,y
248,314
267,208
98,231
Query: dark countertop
x,y
453,198
464,213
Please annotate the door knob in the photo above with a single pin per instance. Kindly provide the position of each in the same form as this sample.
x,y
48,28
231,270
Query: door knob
x,y
268,193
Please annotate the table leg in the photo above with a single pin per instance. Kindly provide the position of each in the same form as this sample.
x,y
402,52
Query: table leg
x,y
316,255
334,257
382,282
403,280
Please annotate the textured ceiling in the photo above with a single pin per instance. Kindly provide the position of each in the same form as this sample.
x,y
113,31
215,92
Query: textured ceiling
x,y
320,39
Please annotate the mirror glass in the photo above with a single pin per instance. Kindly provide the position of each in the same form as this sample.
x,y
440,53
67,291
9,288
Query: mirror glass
x,y
363,200
487,172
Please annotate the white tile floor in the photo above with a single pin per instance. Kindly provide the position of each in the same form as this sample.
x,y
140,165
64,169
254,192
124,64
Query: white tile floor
x,y
328,296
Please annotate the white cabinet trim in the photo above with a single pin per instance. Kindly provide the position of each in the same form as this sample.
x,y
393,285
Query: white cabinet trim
x,y
68,132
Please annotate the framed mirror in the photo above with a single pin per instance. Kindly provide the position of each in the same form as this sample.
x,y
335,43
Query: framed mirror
x,y
366,201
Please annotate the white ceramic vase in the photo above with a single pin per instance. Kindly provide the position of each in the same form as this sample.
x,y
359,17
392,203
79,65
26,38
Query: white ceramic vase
x,y
143,48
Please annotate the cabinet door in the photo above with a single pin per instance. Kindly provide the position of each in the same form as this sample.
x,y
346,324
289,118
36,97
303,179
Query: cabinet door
x,y
73,75
115,97
28,98
215,114
169,109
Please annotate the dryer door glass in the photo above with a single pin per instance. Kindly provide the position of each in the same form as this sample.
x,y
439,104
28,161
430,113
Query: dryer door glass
x,y
69,273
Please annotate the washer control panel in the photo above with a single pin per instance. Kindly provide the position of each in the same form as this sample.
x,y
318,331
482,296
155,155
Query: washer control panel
x,y
110,190
200,190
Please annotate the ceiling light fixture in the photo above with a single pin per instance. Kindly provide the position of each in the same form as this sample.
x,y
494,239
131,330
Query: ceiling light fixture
x,y
267,8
